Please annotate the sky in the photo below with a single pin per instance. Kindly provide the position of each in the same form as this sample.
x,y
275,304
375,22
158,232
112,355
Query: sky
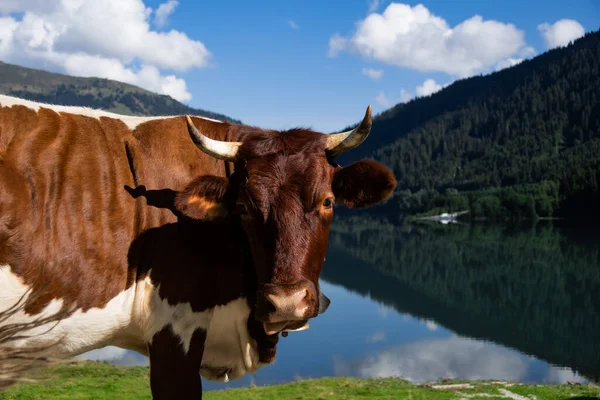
x,y
282,64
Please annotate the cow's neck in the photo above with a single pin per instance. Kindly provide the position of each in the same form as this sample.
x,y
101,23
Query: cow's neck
x,y
210,267
172,247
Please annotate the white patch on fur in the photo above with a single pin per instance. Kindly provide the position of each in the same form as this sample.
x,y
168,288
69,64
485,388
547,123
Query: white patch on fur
x,y
80,331
158,313
132,318
230,352
131,121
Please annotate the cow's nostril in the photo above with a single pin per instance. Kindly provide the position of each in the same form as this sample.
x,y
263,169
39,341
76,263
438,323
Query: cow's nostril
x,y
269,306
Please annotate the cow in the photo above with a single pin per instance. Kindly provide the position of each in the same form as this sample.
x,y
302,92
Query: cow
x,y
189,240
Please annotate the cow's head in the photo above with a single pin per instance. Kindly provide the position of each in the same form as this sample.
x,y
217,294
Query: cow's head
x,y
285,187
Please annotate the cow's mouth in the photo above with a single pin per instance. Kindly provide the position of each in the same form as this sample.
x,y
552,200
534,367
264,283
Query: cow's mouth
x,y
273,328
219,374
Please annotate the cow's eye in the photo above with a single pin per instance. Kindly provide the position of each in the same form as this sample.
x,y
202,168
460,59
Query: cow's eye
x,y
328,202
241,209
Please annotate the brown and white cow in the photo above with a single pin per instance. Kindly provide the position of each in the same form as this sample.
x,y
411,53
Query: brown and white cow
x,y
190,240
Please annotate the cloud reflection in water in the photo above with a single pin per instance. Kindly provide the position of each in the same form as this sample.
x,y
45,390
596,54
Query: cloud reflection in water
x,y
117,356
433,359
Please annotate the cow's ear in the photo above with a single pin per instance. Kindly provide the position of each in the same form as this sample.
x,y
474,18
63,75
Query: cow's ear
x,y
205,198
363,184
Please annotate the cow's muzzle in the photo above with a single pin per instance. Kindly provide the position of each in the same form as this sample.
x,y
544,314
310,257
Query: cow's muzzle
x,y
288,307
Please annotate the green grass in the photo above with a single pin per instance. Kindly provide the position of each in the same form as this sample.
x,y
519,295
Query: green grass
x,y
93,380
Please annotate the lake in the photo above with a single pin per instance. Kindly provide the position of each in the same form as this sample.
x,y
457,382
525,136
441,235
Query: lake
x,y
427,301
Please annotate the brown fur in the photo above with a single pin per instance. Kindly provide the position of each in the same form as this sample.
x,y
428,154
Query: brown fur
x,y
206,198
363,184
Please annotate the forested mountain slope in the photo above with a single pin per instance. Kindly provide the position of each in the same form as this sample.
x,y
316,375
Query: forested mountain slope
x,y
521,142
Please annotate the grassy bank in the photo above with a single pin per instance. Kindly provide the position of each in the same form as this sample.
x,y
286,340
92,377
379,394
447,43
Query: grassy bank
x,y
105,381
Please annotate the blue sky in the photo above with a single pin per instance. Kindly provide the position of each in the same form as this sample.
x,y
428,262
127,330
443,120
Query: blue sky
x,y
271,63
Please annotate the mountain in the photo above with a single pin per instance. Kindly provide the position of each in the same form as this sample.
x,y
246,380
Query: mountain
x,y
121,98
523,142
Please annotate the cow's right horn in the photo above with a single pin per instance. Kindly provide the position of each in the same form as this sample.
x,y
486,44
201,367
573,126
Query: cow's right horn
x,y
339,143
216,148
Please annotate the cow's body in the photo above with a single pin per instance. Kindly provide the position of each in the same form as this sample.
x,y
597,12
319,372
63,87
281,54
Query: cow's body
x,y
98,217
77,227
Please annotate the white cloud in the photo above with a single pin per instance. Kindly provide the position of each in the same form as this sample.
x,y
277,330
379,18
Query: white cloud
x,y
293,25
372,73
104,38
161,16
376,337
413,37
382,99
428,87
431,325
383,311
561,32
10,6
386,101
429,360
337,44
109,353
405,96
507,63
374,5
563,375
147,76
115,355
8,26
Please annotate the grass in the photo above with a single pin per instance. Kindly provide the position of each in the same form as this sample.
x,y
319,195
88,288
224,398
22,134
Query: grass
x,y
95,380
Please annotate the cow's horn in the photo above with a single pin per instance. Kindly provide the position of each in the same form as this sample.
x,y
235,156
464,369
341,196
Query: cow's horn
x,y
222,150
339,143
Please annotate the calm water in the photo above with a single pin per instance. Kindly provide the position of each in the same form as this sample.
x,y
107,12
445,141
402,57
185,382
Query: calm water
x,y
429,301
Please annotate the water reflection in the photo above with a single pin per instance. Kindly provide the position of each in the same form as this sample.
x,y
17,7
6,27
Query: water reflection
x,y
117,356
431,359
426,302
535,289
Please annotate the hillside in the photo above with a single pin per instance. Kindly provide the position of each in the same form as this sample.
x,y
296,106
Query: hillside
x,y
523,142
99,93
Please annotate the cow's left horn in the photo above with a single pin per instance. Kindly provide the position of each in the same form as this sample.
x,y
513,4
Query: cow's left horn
x,y
339,143
222,150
